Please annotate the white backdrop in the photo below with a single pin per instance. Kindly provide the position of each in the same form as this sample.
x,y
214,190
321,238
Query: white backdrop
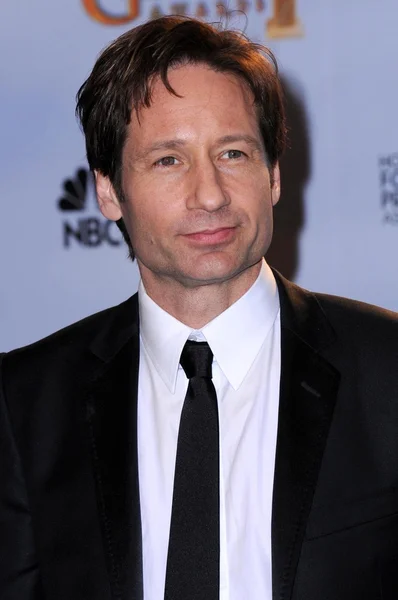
x,y
337,223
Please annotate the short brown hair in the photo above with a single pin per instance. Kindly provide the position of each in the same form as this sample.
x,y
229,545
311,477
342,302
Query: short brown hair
x,y
123,74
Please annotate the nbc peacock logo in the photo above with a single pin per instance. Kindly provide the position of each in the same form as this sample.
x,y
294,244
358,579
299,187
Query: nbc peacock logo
x,y
83,225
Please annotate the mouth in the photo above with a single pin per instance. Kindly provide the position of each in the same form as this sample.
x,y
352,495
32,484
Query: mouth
x,y
212,236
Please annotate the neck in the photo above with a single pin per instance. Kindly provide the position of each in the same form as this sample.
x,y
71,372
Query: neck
x,y
196,306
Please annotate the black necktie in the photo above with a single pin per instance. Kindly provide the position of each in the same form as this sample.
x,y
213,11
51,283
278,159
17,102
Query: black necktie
x,y
193,562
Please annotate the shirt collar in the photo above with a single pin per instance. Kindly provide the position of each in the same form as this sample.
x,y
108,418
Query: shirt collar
x,y
235,336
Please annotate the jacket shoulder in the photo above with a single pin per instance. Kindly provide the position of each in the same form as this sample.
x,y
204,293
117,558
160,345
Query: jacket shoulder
x,y
367,336
349,315
71,343
323,320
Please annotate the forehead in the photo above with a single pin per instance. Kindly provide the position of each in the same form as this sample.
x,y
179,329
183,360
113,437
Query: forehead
x,y
193,81
204,97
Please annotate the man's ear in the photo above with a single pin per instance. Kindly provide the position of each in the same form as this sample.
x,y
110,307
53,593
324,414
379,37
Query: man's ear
x,y
107,199
276,184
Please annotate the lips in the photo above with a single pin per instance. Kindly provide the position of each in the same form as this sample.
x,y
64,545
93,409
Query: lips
x,y
212,236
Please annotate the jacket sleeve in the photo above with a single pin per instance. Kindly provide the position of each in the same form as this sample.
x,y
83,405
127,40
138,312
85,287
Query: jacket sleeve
x,y
19,571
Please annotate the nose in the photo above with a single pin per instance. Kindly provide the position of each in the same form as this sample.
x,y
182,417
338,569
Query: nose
x,y
208,190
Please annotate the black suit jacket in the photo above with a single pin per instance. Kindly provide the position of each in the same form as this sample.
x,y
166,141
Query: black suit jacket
x,y
69,497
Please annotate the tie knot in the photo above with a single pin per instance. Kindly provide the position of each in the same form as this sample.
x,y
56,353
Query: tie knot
x,y
196,359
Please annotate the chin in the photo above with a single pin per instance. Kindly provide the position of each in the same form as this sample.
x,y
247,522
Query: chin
x,y
213,272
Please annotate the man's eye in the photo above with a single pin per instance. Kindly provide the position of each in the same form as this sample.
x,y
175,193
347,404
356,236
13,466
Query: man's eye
x,y
166,161
234,154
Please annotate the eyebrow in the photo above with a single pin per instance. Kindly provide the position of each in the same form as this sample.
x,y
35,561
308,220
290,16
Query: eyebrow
x,y
175,144
249,139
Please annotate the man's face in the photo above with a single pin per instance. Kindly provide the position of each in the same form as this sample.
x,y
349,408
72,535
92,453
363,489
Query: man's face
x,y
198,195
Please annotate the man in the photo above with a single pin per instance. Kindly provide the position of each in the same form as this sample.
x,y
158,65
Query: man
x,y
265,464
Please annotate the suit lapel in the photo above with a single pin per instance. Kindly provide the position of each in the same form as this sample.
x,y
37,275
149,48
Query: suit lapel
x,y
111,410
307,396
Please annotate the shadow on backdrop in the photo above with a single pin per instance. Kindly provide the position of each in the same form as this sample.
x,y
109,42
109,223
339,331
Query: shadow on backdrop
x,y
289,213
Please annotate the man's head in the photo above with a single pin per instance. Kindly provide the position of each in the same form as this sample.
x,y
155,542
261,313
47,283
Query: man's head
x,y
180,91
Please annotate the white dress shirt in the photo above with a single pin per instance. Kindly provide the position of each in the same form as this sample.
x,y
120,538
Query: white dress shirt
x,y
245,340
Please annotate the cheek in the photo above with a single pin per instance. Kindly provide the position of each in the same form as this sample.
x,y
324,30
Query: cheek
x,y
252,183
254,198
147,224
260,213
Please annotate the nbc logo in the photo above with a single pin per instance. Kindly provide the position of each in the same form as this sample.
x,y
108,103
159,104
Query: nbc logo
x,y
78,199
